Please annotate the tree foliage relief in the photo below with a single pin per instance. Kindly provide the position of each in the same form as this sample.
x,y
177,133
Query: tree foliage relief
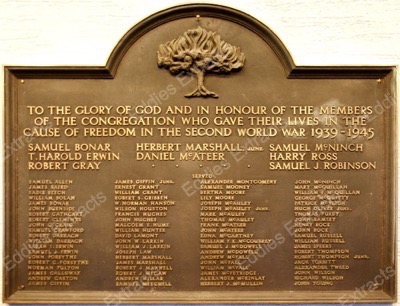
x,y
198,52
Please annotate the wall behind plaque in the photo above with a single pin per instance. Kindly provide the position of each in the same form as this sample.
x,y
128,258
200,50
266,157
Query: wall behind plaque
x,y
84,32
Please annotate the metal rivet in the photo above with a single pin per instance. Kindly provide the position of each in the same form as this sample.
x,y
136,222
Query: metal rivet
x,y
248,166
197,17
177,166
379,80
22,81
200,166
153,166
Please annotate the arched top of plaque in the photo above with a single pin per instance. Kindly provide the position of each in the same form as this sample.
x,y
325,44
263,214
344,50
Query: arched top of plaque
x,y
200,11
210,11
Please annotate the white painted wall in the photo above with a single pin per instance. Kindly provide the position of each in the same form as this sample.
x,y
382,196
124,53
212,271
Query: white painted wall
x,y
84,32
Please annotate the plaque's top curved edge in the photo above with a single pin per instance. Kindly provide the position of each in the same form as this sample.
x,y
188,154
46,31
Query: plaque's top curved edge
x,y
205,10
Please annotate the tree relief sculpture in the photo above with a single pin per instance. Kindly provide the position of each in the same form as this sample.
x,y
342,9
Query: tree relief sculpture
x,y
198,52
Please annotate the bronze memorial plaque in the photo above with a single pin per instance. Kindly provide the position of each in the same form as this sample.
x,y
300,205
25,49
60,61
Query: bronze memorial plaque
x,y
200,165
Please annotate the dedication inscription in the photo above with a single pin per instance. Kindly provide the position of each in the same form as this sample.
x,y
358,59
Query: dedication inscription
x,y
132,184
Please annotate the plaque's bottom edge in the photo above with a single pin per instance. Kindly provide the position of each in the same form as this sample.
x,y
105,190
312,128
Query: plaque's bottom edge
x,y
195,297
